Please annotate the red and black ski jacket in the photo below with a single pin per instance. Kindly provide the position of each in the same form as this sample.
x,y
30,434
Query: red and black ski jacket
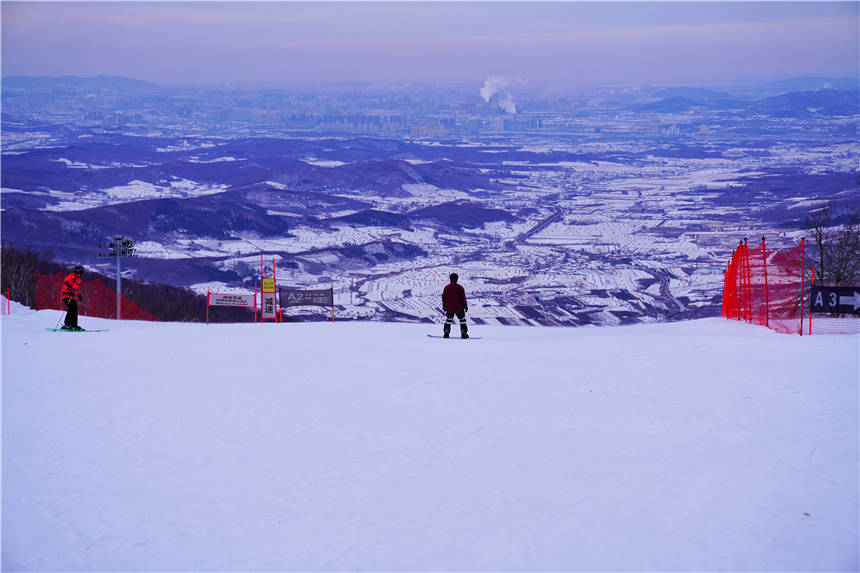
x,y
453,298
71,286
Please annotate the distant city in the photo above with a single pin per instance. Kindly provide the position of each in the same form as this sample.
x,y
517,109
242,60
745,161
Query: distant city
x,y
402,111
601,206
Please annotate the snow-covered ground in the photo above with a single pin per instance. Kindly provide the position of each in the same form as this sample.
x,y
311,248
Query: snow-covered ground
x,y
700,446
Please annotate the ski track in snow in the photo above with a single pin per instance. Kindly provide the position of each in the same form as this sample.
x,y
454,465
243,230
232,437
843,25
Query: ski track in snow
x,y
697,446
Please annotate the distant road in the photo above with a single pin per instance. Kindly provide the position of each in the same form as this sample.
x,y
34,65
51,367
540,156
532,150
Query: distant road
x,y
666,294
556,217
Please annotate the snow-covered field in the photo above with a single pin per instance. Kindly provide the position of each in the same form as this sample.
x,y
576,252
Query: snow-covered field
x,y
699,446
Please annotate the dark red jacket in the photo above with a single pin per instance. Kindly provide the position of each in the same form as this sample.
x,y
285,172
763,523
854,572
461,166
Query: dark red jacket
x,y
453,298
71,286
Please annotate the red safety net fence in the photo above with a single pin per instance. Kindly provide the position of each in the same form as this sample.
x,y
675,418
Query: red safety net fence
x,y
99,300
770,289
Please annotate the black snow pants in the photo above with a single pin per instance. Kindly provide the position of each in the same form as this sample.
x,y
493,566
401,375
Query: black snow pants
x,y
449,320
71,312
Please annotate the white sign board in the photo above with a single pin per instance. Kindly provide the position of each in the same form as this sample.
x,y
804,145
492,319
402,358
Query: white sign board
x,y
231,299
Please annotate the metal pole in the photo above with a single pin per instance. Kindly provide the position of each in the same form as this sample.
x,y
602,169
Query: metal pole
x,y
745,278
262,296
277,298
118,245
766,292
802,264
740,253
749,316
810,300
743,311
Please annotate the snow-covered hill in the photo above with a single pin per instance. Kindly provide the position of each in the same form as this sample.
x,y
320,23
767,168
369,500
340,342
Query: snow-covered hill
x,y
705,445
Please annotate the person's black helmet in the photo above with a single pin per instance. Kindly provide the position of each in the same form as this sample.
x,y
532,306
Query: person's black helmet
x,y
79,270
454,277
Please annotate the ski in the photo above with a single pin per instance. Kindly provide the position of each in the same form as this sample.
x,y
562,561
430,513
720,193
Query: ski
x,y
455,337
65,330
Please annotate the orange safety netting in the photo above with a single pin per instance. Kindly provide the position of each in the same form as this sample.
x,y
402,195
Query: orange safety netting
x,y
765,287
99,300
770,289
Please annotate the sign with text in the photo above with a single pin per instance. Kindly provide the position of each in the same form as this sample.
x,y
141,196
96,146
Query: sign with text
x,y
216,299
269,305
302,297
268,299
835,300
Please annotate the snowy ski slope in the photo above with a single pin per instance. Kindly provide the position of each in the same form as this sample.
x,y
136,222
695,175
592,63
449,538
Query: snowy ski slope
x,y
698,446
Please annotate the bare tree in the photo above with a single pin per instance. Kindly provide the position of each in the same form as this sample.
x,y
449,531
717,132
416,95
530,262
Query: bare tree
x,y
835,242
18,274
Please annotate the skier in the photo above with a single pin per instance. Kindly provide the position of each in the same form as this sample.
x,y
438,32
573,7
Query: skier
x,y
454,302
71,295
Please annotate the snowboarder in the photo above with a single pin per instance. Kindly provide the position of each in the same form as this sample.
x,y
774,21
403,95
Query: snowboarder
x,y
71,295
454,302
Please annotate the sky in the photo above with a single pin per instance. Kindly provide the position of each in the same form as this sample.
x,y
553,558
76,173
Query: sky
x,y
556,43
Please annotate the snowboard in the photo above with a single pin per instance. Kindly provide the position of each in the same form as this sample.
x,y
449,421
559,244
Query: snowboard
x,y
453,337
64,330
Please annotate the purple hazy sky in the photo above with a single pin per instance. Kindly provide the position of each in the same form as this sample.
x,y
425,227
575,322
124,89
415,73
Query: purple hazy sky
x,y
559,43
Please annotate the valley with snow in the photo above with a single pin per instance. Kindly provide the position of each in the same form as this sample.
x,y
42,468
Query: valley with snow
x,y
599,213
614,207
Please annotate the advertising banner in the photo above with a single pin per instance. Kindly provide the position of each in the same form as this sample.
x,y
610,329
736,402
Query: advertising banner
x,y
216,299
303,297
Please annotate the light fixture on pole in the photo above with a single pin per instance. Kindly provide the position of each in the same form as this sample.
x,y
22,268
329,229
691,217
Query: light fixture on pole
x,y
119,247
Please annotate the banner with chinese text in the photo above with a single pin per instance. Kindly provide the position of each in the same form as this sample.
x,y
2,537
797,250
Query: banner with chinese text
x,y
269,299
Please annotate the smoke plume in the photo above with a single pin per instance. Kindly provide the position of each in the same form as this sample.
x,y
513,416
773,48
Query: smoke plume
x,y
500,86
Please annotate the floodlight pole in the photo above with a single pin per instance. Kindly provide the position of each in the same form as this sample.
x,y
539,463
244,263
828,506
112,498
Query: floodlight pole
x,y
118,281
118,247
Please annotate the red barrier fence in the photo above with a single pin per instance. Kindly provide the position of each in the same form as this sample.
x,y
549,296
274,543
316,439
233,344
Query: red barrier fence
x,y
99,300
770,289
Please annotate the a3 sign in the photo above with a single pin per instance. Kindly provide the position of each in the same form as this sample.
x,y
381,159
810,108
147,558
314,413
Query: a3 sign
x,y
835,300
